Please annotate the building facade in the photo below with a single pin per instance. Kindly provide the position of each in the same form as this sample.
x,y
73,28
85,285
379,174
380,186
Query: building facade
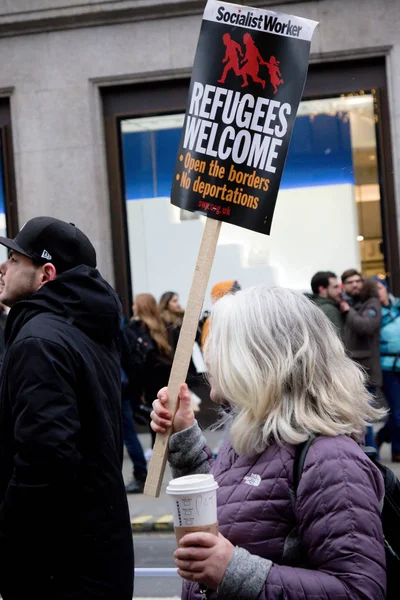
x,y
92,101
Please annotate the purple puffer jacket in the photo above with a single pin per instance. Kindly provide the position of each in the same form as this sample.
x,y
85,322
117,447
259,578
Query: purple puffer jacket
x,y
337,513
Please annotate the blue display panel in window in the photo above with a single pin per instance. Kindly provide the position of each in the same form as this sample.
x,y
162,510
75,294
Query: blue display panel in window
x,y
166,148
319,154
138,165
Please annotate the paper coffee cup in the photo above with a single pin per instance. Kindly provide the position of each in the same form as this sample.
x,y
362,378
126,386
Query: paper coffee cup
x,y
194,501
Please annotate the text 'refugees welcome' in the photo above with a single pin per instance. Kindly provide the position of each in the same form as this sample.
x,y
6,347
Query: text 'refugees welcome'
x,y
243,128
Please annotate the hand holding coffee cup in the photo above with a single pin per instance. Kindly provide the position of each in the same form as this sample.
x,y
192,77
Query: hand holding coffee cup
x,y
203,554
161,417
203,558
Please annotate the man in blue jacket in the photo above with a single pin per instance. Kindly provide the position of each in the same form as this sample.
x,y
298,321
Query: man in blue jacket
x,y
64,520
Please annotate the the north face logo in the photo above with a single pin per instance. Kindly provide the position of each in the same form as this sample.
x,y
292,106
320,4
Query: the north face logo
x,y
46,255
253,480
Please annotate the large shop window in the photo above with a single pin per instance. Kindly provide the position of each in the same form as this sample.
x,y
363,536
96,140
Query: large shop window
x,y
328,214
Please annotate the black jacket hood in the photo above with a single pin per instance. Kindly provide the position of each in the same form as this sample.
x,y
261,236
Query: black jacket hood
x,y
79,295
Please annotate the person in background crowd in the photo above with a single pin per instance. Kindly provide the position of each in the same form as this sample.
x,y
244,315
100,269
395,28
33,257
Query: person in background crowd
x,y
327,296
131,411
218,291
172,314
60,428
361,335
146,352
170,309
390,363
274,357
131,440
3,320
352,283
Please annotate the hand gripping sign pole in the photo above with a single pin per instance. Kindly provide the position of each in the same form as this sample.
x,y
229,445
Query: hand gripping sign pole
x,y
247,80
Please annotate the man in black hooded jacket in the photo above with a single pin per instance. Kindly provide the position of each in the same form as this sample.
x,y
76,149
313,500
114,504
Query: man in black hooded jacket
x,y
64,521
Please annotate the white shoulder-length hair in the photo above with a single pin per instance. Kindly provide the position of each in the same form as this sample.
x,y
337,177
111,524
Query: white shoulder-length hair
x,y
276,358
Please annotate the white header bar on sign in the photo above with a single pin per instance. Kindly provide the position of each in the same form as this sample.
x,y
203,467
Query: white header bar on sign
x,y
260,20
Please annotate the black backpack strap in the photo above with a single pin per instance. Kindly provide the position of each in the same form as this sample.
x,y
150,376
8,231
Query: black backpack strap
x,y
370,451
299,460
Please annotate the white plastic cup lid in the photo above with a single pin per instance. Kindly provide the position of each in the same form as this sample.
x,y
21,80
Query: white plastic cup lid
x,y
192,484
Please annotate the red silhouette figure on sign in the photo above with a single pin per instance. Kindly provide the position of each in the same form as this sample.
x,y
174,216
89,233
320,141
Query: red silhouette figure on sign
x,y
251,62
274,73
231,57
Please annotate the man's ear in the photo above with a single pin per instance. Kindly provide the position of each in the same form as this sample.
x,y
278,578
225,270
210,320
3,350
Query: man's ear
x,y
49,273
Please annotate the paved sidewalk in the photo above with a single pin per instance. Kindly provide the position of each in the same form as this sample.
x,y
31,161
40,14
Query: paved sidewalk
x,y
154,514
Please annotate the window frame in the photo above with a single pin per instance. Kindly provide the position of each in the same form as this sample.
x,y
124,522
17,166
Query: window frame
x,y
325,80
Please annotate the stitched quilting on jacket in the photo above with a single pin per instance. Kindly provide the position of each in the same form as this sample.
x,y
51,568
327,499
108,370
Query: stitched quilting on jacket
x,y
337,515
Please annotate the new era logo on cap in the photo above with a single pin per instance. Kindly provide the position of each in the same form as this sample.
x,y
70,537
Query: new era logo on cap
x,y
46,255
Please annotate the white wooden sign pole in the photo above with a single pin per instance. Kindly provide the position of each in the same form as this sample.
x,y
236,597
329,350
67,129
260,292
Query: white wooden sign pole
x,y
184,349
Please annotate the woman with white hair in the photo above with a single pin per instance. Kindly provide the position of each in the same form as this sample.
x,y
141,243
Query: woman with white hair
x,y
275,359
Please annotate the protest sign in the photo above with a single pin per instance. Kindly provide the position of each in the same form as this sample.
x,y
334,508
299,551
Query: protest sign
x,y
247,81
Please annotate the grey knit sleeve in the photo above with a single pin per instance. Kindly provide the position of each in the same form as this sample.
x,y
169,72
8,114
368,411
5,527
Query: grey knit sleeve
x,y
188,452
244,577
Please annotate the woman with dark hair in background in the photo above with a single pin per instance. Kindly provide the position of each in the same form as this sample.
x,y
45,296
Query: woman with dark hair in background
x,y
170,309
172,314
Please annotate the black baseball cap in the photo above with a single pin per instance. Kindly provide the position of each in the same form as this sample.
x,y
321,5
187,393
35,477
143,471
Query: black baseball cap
x,y
45,239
